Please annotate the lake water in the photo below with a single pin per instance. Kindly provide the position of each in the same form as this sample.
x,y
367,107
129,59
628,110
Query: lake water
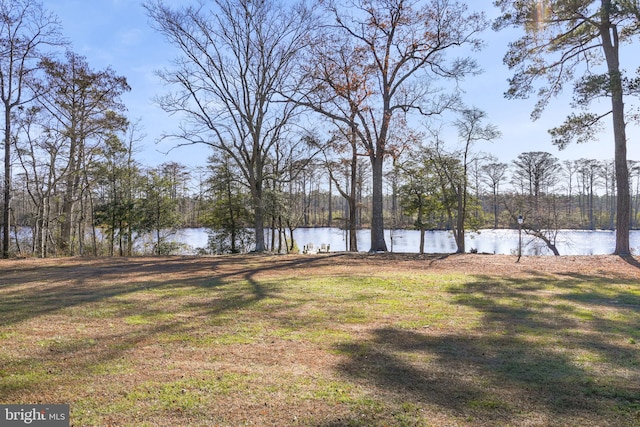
x,y
570,242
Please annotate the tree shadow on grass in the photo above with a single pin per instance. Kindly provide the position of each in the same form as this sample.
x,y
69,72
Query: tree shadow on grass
x,y
29,292
476,378
168,289
539,355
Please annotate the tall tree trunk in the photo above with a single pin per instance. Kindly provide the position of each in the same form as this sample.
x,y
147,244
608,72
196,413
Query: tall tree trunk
x,y
610,46
46,223
292,242
232,218
352,201
258,218
495,208
280,233
592,224
92,222
68,198
378,243
6,210
459,228
612,204
421,222
330,217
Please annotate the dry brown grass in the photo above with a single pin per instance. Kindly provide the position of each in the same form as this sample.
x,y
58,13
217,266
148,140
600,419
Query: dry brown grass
x,y
328,340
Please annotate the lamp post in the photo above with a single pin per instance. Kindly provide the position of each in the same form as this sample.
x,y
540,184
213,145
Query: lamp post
x,y
520,221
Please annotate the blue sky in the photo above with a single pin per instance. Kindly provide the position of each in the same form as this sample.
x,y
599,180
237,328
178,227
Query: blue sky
x,y
117,33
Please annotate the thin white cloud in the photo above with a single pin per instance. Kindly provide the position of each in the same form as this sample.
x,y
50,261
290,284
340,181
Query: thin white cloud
x,y
130,37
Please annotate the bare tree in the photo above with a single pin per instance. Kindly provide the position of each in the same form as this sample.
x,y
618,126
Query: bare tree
x,y
609,178
39,153
470,131
588,172
536,173
26,29
338,90
537,170
570,170
541,221
494,173
236,59
453,167
347,167
400,46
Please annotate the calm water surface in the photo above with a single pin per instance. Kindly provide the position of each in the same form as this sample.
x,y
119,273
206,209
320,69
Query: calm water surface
x,y
570,242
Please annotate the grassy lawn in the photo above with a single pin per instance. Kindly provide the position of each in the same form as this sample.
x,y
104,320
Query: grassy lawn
x,y
331,340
